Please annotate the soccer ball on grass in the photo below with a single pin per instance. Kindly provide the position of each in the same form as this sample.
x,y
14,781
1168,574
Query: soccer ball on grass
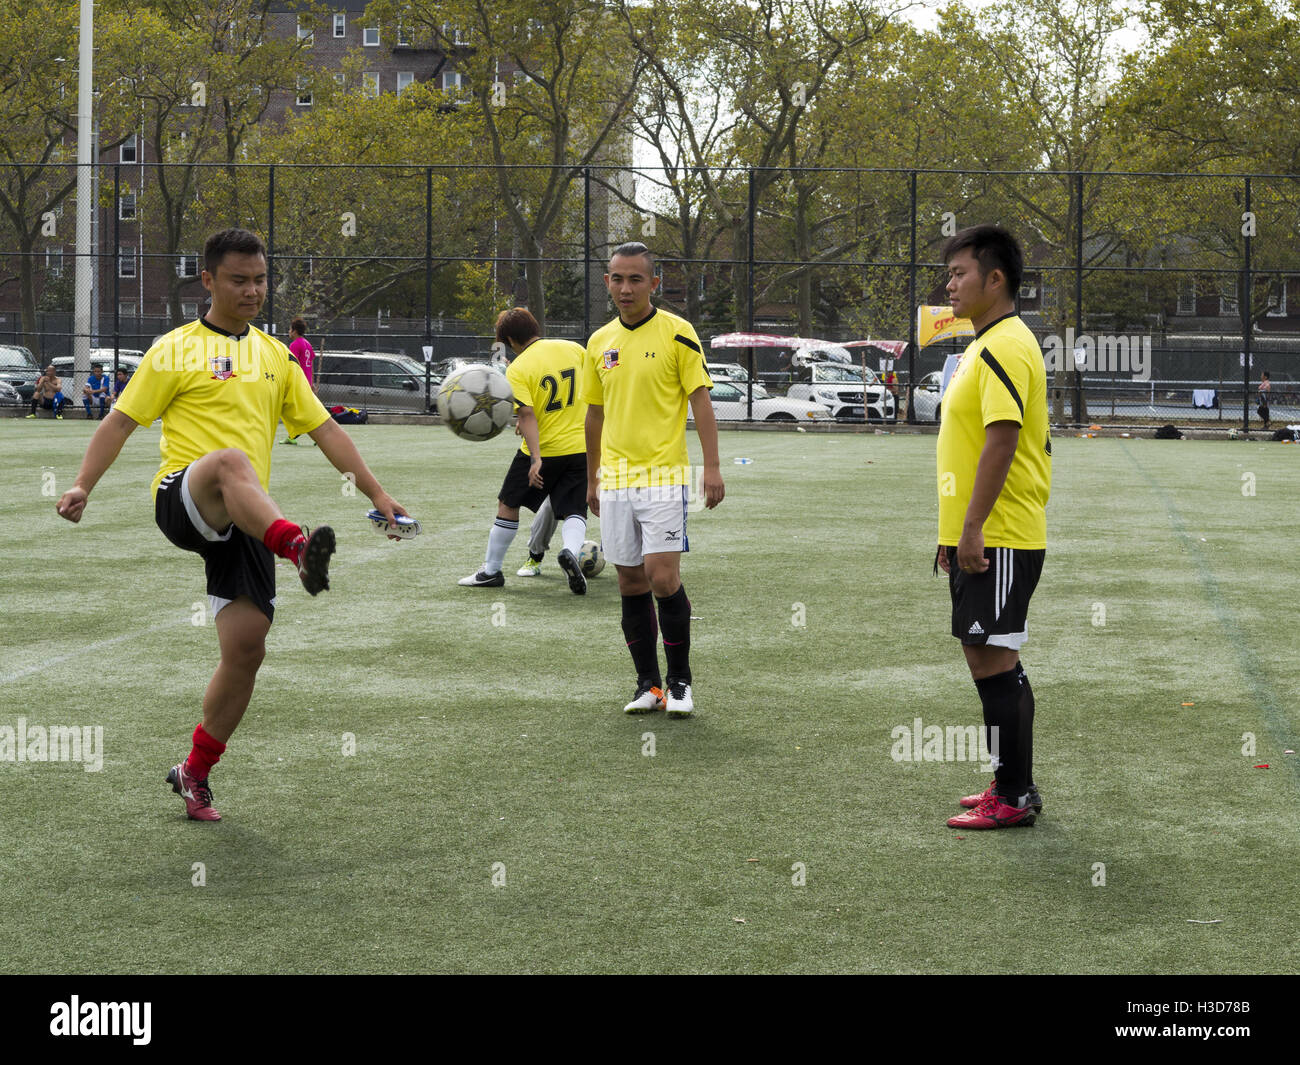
x,y
476,403
591,559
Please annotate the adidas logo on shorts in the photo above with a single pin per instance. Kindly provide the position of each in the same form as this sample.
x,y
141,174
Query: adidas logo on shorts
x,y
975,630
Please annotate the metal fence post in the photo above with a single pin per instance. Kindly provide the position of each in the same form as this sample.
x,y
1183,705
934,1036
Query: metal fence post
x,y
428,286
586,253
1078,292
117,281
270,250
1246,315
911,310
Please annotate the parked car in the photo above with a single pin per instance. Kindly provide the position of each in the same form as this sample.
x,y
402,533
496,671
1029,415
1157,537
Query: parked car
x,y
852,392
925,397
9,396
446,367
18,367
371,380
730,403
727,371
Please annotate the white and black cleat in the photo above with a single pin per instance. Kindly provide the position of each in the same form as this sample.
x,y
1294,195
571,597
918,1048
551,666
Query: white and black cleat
x,y
568,563
483,579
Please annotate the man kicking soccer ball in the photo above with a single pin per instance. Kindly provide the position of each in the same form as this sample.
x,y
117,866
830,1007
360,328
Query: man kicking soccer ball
x,y
551,464
220,387
640,373
995,474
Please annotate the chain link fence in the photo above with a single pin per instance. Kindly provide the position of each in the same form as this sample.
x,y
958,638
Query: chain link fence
x,y
1156,297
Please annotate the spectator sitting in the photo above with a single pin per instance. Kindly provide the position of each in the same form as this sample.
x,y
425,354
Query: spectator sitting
x,y
96,387
49,394
119,383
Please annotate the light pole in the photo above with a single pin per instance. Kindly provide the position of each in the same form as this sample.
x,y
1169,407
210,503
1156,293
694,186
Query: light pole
x,y
85,195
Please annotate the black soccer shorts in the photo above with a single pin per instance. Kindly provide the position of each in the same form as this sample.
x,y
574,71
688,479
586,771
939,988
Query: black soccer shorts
x,y
991,608
564,478
236,563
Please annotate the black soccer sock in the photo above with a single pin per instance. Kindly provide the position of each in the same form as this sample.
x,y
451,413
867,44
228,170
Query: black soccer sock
x,y
675,620
641,629
1027,722
1001,696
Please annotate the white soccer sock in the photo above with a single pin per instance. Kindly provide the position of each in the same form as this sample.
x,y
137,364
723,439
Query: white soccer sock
x,y
573,533
499,541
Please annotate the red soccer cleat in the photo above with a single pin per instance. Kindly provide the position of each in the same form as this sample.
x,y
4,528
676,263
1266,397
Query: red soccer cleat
x,y
971,801
992,812
196,793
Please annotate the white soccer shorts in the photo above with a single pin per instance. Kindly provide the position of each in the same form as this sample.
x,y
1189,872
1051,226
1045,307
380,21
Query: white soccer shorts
x,y
635,522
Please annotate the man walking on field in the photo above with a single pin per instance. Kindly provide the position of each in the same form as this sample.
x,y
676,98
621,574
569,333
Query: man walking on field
x,y
220,387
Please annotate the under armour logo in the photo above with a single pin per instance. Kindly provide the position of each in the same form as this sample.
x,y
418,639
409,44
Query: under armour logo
x,y
649,354
269,376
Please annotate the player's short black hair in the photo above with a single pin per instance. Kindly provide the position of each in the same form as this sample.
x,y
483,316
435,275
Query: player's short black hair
x,y
994,248
96,365
634,248
517,324
299,327
240,241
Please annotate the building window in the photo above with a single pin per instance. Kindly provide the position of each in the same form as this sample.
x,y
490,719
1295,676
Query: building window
x,y
129,151
304,91
1277,297
126,207
403,37
452,79
305,33
125,261
187,265
370,84
370,36
189,309
404,80
1187,296
1228,300
340,25
54,262
126,309
455,34
340,81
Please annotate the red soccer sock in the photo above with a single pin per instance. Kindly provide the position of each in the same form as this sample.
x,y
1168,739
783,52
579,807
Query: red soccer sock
x,y
204,755
281,539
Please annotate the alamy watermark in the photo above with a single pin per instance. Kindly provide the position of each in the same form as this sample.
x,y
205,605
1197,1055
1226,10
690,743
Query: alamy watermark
x,y
1099,354
57,743
920,742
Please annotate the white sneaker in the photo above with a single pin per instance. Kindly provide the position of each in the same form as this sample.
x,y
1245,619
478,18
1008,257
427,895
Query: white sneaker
x,y
482,579
680,703
531,568
646,700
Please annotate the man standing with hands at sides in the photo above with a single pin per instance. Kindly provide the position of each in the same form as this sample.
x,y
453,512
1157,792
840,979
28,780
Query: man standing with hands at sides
x,y
640,373
995,473
221,387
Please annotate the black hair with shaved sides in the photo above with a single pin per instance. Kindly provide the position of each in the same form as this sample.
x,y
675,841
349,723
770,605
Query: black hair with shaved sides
x,y
239,241
994,248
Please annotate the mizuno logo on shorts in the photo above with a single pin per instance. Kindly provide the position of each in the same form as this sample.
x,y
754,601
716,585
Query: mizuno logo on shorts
x,y
672,534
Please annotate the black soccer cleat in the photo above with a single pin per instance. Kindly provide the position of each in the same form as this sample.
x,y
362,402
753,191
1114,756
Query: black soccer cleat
x,y
314,559
577,582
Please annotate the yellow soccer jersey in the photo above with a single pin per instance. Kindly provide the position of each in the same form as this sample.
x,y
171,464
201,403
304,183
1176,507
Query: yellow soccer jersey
x,y
1001,377
545,377
642,377
215,391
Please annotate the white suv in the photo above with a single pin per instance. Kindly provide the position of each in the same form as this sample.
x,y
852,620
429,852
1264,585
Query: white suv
x,y
853,393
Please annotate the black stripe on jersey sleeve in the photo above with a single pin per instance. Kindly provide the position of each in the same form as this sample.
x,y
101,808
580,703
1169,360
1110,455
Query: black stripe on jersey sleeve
x,y
996,367
688,342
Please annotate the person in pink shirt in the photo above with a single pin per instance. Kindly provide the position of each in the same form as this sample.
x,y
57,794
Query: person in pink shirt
x,y
304,355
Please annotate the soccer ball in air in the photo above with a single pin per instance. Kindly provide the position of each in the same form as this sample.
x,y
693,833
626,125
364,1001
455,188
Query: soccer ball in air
x,y
476,403
591,559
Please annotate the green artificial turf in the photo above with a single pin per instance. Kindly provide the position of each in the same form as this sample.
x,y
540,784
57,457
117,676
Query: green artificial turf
x,y
490,743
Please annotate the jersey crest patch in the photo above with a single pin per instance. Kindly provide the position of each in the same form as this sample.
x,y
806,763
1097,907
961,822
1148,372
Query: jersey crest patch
x,y
223,367
611,358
